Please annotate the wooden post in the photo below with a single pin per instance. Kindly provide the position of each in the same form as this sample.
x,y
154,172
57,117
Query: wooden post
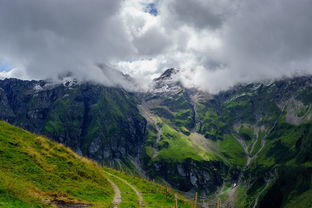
x,y
176,200
195,200
219,203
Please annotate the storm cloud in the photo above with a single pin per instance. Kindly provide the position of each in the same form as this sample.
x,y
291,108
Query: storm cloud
x,y
47,38
216,43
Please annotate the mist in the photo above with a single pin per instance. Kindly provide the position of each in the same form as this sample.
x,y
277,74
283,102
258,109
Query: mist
x,y
216,43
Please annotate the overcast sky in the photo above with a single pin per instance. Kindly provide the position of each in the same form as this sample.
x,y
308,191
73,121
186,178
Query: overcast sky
x,y
215,43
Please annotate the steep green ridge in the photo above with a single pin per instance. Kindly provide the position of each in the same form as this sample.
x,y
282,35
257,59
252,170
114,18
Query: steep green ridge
x,y
174,151
129,197
36,172
239,145
272,123
280,175
155,195
287,157
102,123
255,136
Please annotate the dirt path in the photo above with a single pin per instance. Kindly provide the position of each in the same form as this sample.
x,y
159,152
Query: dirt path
x,y
117,197
63,204
139,194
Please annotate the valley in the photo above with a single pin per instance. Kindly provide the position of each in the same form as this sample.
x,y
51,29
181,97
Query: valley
x,y
248,146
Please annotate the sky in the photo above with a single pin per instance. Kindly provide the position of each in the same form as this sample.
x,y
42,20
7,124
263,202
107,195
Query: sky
x,y
216,44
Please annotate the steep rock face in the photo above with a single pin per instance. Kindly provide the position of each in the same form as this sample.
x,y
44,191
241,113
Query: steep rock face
x,y
99,122
253,132
271,122
191,174
6,111
173,150
247,140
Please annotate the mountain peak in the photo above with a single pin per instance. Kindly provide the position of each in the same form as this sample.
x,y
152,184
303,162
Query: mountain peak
x,y
168,82
168,74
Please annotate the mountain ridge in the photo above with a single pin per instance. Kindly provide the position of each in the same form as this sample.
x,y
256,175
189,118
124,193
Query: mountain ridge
x,y
192,140
36,172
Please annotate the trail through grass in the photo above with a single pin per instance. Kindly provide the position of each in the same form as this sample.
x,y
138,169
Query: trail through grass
x,y
154,195
126,185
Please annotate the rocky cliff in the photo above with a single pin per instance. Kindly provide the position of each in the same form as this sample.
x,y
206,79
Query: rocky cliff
x,y
99,122
241,144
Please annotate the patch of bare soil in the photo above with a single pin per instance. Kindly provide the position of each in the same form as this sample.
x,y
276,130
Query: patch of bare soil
x,y
63,204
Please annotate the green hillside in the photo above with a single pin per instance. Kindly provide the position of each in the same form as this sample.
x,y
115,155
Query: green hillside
x,y
249,146
35,172
38,172
257,137
153,195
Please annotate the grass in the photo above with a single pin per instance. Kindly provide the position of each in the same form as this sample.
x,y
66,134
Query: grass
x,y
176,147
129,197
232,150
303,201
184,120
35,172
287,144
247,132
240,196
155,195
9,202
212,125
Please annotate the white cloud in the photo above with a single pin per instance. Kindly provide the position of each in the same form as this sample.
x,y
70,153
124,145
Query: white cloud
x,y
217,43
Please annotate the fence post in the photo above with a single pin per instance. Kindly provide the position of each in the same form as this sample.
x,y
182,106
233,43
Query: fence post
x,y
176,200
195,200
219,204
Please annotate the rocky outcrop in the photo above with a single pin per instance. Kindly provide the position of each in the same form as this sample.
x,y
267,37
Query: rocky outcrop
x,y
96,121
191,175
104,124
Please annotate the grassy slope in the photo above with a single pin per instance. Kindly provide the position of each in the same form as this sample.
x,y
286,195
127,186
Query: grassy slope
x,y
129,197
251,113
287,148
88,116
155,195
174,146
288,151
35,171
175,121
231,150
177,147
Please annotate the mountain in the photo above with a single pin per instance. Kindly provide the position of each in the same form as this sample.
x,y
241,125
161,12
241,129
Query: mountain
x,y
36,172
249,146
98,122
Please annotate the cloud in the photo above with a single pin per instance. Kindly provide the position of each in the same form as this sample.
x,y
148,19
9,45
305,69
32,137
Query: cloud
x,y
241,41
217,43
270,37
267,39
202,14
46,38
151,42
